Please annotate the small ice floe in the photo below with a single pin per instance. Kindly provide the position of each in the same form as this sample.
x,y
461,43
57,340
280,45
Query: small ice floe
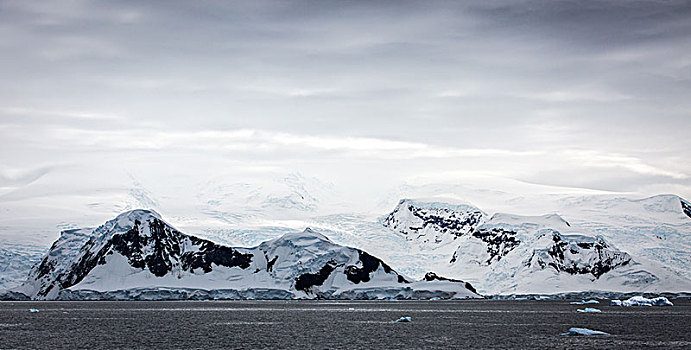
x,y
583,331
642,301
33,310
405,319
583,302
589,309
435,299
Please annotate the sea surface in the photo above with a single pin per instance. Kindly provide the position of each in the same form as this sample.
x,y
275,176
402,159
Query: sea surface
x,y
338,325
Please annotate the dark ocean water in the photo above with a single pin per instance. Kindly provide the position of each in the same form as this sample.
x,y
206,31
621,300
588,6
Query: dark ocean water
x,y
338,325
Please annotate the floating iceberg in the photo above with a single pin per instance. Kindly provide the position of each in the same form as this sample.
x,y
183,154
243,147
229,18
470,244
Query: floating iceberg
x,y
435,299
582,302
589,309
642,301
33,310
405,319
583,331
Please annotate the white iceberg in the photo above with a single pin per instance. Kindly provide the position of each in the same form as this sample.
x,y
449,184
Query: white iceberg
x,y
33,310
583,331
589,310
642,301
435,299
582,302
405,319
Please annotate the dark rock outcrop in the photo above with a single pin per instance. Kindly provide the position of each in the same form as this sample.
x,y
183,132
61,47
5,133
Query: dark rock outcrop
x,y
579,255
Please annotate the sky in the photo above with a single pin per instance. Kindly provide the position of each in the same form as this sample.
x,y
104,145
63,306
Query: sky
x,y
361,96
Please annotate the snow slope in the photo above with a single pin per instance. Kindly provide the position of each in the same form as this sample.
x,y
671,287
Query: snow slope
x,y
656,228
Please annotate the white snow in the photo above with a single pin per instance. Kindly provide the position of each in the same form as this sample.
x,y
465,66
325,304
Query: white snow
x,y
652,231
275,265
589,310
642,301
583,331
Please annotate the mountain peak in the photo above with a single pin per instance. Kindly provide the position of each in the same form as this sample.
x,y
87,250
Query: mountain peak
x,y
129,219
438,203
432,221
305,238
138,214
554,221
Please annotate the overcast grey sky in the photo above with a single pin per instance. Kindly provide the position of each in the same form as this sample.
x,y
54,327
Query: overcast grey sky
x,y
363,94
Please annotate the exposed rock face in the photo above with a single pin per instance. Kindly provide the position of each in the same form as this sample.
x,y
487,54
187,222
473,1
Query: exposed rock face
x,y
431,276
150,244
686,207
579,255
499,242
430,222
13,296
306,281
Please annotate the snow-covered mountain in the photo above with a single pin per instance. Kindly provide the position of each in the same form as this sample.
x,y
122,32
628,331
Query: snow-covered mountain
x,y
139,255
642,243
433,222
654,228
598,243
513,254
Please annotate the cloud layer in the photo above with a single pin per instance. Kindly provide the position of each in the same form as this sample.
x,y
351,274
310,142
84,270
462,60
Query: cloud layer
x,y
362,94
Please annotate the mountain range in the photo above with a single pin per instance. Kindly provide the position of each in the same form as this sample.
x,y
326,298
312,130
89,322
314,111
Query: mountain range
x,y
598,243
140,256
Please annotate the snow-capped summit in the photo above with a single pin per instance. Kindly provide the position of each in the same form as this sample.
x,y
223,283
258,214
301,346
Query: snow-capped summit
x,y
554,221
432,221
138,251
128,218
134,245
308,237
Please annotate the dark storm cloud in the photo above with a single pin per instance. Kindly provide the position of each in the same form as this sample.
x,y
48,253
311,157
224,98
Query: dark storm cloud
x,y
593,24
